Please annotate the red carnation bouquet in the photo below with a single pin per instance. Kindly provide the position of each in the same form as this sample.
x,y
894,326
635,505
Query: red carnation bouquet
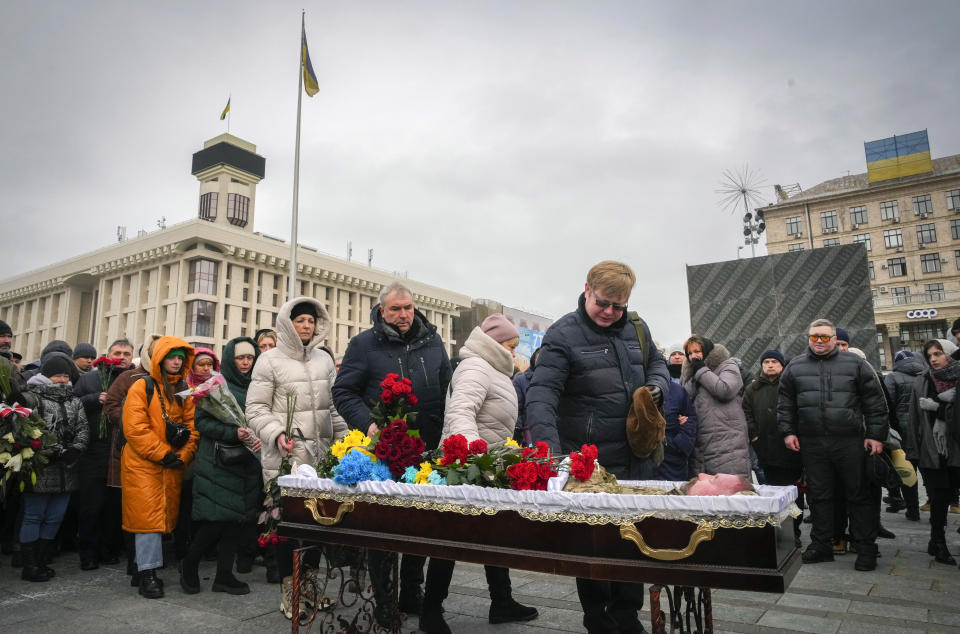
x,y
536,466
104,365
582,464
396,399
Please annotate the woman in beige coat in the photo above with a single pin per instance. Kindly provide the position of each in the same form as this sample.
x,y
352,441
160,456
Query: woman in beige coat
x,y
300,367
481,403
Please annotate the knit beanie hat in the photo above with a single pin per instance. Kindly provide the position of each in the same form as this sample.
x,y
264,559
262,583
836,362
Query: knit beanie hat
x,y
5,328
56,364
677,347
772,354
84,350
303,308
242,348
903,354
843,335
954,329
176,352
499,328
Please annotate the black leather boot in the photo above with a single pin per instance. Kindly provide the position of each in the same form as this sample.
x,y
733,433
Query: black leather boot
x,y
432,622
151,587
44,547
940,553
32,571
866,557
503,607
270,562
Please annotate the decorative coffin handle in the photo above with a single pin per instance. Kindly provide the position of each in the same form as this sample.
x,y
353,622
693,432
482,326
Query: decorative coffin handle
x,y
701,534
313,505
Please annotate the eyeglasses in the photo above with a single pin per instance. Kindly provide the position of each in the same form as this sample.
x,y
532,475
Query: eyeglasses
x,y
604,304
821,338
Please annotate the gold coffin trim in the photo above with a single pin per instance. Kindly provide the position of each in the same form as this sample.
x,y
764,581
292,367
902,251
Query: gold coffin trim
x,y
313,505
701,534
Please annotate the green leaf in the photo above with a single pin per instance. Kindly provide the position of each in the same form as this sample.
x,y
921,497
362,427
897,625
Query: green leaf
x,y
453,477
33,478
22,486
485,462
473,474
413,432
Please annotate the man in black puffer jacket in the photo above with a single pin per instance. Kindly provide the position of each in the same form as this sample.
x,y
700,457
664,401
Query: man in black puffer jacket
x,y
906,368
590,364
403,342
831,409
98,507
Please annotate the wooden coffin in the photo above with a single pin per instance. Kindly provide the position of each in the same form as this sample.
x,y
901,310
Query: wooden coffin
x,y
653,550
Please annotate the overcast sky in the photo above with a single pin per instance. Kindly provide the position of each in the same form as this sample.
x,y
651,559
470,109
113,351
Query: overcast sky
x,y
495,148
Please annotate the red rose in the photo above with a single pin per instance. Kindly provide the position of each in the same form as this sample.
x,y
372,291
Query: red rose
x,y
394,454
406,381
418,446
389,380
387,435
412,398
399,425
407,444
406,388
478,446
382,450
544,471
397,388
35,444
387,396
454,448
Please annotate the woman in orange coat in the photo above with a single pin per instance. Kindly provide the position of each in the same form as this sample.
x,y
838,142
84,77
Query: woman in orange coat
x,y
161,439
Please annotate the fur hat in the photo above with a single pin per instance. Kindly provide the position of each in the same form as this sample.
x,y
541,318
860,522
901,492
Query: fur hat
x,y
645,424
499,328
772,354
84,350
843,335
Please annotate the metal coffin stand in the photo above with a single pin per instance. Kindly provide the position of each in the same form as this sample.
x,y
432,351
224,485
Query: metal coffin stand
x,y
656,551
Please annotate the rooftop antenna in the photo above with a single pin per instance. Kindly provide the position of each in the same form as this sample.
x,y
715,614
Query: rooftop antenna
x,y
121,233
162,223
349,250
370,257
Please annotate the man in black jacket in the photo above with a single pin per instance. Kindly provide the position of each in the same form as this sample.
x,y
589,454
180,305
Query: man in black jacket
x,y
403,342
781,466
832,410
590,364
98,512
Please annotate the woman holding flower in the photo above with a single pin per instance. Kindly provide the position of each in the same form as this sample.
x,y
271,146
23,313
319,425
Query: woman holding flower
x,y
481,405
227,484
297,367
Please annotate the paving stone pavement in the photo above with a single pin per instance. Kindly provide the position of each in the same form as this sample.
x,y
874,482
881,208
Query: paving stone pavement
x,y
907,593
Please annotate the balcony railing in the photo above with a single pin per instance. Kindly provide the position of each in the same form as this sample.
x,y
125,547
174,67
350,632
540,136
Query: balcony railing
x,y
933,299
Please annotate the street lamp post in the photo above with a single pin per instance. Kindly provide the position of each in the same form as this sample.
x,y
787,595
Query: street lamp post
x,y
752,228
739,249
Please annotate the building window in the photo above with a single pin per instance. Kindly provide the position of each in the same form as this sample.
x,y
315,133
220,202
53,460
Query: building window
x,y
831,242
956,256
953,199
893,238
238,209
901,294
934,292
246,294
208,206
244,313
873,274
922,205
276,282
864,239
926,233
828,221
793,226
930,262
246,276
203,277
897,267
889,210
955,229
858,215
200,318
799,247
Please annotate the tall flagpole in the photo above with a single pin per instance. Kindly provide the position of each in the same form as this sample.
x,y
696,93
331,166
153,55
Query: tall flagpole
x,y
292,288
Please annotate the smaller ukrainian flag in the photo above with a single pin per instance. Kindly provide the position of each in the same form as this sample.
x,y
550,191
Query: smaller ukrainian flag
x,y
310,83
223,115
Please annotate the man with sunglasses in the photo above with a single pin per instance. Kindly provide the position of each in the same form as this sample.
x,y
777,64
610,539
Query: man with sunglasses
x,y
831,409
590,364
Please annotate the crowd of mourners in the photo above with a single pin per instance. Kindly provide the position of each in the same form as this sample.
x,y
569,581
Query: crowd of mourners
x,y
141,467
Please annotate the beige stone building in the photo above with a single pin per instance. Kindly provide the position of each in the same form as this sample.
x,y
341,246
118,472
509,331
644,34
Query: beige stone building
x,y
910,227
207,280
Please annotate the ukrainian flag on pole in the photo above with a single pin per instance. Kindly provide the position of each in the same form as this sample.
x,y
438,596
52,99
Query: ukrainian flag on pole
x,y
898,156
310,84
223,115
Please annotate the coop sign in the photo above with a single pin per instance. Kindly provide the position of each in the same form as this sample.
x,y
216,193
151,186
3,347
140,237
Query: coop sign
x,y
926,313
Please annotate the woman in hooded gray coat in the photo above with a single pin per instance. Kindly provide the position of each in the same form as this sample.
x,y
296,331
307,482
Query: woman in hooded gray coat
x,y
712,379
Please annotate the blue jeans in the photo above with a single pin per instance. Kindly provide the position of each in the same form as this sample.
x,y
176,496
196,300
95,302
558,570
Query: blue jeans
x,y
149,547
42,515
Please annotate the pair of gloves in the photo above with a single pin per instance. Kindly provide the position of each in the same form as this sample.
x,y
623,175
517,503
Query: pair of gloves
x,y
696,364
939,426
172,461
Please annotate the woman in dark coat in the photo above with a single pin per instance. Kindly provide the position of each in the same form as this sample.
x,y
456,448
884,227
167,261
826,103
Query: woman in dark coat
x,y
226,493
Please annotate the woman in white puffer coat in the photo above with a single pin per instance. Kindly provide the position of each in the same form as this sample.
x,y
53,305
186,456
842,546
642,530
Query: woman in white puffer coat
x,y
481,404
299,366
